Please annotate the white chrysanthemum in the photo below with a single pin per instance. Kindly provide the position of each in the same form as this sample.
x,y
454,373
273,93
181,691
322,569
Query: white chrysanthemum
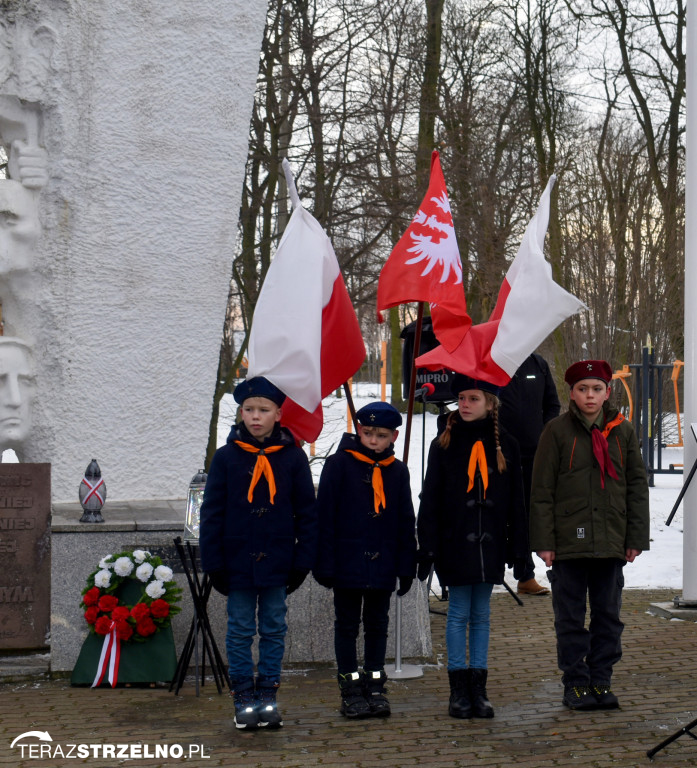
x,y
123,566
155,589
144,571
105,562
102,579
140,555
163,573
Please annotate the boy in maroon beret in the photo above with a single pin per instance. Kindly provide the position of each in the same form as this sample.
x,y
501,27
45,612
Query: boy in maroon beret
x,y
589,516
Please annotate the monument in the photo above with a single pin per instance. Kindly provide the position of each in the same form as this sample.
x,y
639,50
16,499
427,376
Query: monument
x,y
126,137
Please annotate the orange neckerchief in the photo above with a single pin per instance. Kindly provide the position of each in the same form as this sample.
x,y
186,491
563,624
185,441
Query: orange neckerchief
x,y
478,459
262,467
378,489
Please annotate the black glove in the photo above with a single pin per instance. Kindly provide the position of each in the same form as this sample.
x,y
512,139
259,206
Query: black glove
x,y
404,585
426,561
295,579
219,580
324,581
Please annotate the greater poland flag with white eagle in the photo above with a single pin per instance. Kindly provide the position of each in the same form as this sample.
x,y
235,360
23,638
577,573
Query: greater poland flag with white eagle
x,y
425,265
305,337
529,307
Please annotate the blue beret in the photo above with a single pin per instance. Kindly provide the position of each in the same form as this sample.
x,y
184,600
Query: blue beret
x,y
460,383
258,387
379,415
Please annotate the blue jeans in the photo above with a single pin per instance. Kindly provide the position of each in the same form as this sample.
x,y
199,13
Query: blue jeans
x,y
468,607
242,627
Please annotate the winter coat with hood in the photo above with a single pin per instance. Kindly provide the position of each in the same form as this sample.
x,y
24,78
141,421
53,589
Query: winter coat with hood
x,y
257,543
571,513
357,548
471,533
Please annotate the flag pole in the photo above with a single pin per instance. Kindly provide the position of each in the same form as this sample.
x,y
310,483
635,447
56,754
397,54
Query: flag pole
x,y
399,671
412,380
352,407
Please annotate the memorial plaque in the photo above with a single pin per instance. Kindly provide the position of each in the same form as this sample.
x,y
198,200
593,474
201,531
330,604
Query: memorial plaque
x,y
25,554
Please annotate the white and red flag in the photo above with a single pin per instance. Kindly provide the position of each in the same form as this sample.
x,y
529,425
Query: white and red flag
x,y
529,307
425,265
305,336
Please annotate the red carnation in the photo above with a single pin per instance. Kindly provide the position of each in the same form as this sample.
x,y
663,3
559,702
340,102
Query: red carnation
x,y
91,614
120,613
91,596
146,627
123,630
140,611
159,608
107,603
103,625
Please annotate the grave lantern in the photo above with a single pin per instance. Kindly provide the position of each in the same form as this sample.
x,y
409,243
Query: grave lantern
x,y
92,494
193,505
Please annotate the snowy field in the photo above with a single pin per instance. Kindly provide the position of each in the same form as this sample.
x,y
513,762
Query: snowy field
x,y
661,567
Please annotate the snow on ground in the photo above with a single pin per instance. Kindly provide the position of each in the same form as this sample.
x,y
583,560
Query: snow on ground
x,y
659,568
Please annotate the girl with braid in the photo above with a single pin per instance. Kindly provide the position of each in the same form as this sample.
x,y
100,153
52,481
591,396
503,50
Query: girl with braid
x,y
471,523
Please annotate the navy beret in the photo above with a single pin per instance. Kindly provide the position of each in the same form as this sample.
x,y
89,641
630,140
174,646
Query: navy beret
x,y
258,387
460,383
379,415
588,369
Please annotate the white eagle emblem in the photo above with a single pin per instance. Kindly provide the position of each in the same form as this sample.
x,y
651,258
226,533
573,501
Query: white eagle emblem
x,y
444,252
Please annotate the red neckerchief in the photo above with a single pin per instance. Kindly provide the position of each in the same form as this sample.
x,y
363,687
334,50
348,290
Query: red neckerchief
x,y
600,448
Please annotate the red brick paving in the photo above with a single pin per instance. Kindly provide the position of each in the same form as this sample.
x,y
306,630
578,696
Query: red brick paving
x,y
655,682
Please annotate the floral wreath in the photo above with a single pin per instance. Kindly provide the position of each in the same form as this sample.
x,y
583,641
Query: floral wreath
x,y
152,612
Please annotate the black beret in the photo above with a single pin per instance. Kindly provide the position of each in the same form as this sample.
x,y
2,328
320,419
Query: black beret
x,y
379,415
258,387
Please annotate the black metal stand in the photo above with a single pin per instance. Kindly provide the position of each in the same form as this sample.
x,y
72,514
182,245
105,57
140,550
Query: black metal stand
x,y
686,729
512,593
200,588
683,491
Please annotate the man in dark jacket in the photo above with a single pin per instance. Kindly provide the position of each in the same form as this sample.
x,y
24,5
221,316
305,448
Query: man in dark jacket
x,y
528,402
367,544
258,543
589,517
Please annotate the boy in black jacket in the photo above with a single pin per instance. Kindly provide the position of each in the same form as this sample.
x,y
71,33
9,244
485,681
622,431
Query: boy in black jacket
x,y
366,543
258,543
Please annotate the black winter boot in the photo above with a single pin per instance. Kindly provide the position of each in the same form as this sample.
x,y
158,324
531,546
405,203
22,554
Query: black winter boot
x,y
353,703
376,694
265,699
242,692
460,702
481,706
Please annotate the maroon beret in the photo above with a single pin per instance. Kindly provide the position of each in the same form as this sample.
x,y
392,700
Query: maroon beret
x,y
588,369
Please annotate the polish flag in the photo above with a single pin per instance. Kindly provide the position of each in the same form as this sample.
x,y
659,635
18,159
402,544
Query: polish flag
x,y
425,265
529,307
305,337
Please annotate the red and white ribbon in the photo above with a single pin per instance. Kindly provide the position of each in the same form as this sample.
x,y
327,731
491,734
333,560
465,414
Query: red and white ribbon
x,y
110,657
93,490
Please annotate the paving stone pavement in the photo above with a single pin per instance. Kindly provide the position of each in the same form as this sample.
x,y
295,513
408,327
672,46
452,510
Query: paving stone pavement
x,y
655,682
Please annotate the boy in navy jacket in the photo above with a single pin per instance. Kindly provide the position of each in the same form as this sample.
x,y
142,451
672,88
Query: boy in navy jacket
x,y
258,543
366,544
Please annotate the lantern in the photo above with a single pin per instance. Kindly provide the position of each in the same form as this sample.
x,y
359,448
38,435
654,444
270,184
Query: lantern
x,y
92,494
193,505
